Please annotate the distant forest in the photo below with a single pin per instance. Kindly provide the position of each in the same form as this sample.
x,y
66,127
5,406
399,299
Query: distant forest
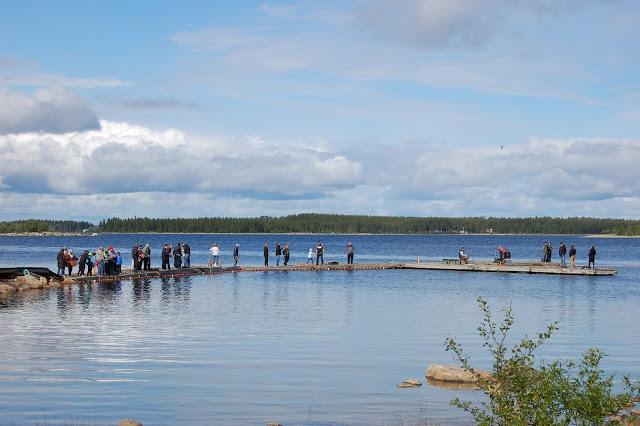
x,y
38,225
331,223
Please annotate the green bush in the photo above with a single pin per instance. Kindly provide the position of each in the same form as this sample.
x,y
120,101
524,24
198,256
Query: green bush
x,y
555,393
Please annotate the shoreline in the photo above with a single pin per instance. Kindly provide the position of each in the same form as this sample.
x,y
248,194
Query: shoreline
x,y
470,234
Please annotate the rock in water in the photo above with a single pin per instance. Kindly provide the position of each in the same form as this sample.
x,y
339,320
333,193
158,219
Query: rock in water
x,y
129,422
28,282
6,290
448,373
410,383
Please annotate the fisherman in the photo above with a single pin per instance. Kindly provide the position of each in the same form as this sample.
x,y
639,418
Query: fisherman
x,y
350,252
177,256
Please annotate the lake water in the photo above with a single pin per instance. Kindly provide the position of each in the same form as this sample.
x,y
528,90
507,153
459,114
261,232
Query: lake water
x,y
292,347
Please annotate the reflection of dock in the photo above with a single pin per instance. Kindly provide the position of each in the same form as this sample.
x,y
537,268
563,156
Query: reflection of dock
x,y
516,268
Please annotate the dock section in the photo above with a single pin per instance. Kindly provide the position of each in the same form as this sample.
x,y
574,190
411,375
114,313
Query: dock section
x,y
514,268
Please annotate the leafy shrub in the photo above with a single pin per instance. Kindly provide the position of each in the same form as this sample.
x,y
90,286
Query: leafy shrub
x,y
559,392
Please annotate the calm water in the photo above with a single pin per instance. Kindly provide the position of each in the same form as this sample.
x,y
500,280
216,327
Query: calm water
x,y
293,347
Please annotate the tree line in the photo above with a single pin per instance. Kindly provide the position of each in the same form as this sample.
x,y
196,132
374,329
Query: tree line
x,y
41,226
333,223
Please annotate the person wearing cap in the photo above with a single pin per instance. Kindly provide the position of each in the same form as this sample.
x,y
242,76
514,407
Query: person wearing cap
x,y
100,260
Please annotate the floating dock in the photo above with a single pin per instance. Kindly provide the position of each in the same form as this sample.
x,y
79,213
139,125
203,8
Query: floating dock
x,y
514,268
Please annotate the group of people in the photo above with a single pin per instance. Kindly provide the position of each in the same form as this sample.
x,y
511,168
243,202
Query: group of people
x,y
99,262
282,253
562,252
181,254
503,253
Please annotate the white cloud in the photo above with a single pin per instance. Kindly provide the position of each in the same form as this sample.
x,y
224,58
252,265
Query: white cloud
x,y
123,158
52,110
126,170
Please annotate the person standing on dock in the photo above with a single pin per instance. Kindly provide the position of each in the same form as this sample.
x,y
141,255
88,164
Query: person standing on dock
x,y
100,260
278,253
350,252
285,253
310,256
572,256
177,256
236,255
215,255
265,250
91,261
166,255
82,262
592,256
562,251
118,265
60,260
319,253
186,255
146,257
134,257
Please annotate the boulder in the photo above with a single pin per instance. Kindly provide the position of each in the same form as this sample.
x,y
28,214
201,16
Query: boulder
x,y
451,374
410,383
6,290
28,282
129,422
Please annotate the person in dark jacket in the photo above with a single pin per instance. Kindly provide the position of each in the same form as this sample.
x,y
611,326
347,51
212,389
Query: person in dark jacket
x,y
319,253
265,250
350,252
572,256
134,258
186,255
592,256
278,253
177,256
166,255
82,262
146,257
236,255
61,261
562,251
285,254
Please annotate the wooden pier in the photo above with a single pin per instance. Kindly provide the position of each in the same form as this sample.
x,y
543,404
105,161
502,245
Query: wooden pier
x,y
517,268
514,268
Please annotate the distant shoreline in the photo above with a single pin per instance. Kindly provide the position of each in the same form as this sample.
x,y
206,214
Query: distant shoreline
x,y
76,234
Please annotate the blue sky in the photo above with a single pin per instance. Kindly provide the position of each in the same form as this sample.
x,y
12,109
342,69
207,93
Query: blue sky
x,y
420,107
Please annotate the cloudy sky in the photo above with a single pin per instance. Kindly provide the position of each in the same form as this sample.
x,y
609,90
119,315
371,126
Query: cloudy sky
x,y
412,107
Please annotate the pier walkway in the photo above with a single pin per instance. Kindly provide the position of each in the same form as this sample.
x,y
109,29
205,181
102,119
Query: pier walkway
x,y
521,268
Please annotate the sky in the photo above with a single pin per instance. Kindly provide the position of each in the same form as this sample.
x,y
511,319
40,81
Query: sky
x,y
379,107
